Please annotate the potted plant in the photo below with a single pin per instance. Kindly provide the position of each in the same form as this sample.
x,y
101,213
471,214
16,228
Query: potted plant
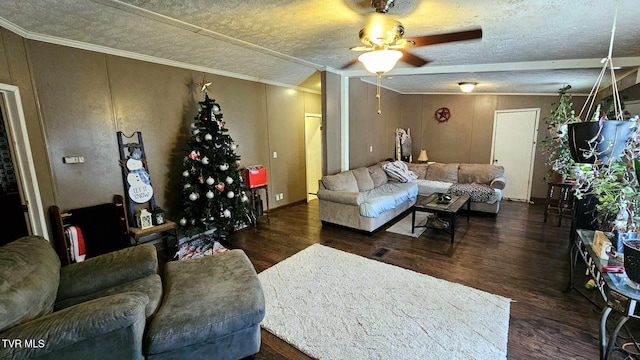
x,y
599,138
556,143
615,184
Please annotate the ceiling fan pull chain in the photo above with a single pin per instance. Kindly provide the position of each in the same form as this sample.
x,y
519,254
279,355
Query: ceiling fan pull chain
x,y
378,80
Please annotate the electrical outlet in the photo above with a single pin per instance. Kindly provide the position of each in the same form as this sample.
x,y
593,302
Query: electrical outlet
x,y
275,155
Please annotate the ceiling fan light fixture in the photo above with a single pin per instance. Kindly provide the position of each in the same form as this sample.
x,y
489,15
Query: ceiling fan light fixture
x,y
467,87
380,61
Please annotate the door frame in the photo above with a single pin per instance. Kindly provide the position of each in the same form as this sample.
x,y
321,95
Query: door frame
x,y
533,144
306,170
28,181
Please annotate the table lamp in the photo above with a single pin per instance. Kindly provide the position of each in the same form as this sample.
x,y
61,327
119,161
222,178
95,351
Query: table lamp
x,y
423,156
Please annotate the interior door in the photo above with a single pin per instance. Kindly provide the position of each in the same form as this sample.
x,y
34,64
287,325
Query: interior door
x,y
514,141
313,145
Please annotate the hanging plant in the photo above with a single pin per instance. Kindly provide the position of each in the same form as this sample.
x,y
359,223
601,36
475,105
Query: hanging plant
x,y
555,145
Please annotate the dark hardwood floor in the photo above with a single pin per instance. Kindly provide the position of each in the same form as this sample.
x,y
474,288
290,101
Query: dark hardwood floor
x,y
514,254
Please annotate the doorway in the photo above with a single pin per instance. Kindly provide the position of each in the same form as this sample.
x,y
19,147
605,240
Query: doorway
x,y
12,217
514,142
31,207
313,149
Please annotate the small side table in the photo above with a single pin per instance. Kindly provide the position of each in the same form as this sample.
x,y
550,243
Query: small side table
x,y
253,200
564,199
168,227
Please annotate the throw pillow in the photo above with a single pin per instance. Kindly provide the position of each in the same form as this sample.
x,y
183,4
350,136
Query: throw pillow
x,y
363,179
344,181
378,175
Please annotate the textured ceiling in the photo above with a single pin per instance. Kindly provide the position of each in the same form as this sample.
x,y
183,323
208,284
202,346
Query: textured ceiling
x,y
528,46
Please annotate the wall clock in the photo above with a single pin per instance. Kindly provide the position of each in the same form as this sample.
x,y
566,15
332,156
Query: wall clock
x,y
443,114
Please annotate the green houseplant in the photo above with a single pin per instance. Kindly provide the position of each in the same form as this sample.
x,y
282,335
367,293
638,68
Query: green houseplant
x,y
555,145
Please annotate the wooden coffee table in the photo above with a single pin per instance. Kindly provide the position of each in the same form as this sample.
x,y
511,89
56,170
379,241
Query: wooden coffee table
x,y
450,210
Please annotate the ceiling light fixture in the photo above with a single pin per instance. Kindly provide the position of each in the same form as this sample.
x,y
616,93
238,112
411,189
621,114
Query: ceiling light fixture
x,y
467,87
379,62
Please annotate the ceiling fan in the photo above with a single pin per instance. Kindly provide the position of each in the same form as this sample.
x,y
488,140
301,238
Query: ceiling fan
x,y
384,45
382,33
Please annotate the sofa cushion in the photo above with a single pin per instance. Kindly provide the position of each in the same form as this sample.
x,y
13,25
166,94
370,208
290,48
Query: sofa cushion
x,y
443,172
364,180
387,197
479,173
378,175
419,169
344,181
428,187
29,278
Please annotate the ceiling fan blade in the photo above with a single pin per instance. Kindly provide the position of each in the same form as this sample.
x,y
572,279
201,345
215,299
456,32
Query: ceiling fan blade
x,y
412,59
446,38
349,64
361,48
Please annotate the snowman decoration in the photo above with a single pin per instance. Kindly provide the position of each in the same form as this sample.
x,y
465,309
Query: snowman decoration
x,y
140,189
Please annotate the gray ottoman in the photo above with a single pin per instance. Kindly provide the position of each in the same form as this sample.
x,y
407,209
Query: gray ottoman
x,y
211,309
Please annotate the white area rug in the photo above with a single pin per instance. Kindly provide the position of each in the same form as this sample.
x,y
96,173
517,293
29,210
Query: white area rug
x,y
334,305
403,227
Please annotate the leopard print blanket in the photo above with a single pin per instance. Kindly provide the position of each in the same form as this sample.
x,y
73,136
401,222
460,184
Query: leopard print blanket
x,y
477,192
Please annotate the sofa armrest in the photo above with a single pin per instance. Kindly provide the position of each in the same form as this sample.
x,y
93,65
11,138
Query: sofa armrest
x,y
112,325
498,183
343,197
107,270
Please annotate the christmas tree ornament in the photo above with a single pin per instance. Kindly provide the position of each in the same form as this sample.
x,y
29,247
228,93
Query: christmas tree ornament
x,y
196,131
209,194
185,173
193,126
194,155
224,167
186,186
220,187
210,180
217,145
216,108
205,160
227,213
183,221
208,137
244,198
230,194
198,139
229,180
193,196
234,146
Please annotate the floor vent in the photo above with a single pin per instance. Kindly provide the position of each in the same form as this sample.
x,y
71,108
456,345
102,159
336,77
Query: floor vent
x,y
380,252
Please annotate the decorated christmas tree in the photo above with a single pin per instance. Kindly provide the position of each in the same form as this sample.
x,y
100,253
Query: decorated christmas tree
x,y
214,196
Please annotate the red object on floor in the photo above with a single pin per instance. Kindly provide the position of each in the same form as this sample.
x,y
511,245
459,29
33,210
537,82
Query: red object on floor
x,y
255,177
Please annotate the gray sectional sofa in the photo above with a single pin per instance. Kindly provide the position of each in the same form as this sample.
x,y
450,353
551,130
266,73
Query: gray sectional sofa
x,y
367,198
363,198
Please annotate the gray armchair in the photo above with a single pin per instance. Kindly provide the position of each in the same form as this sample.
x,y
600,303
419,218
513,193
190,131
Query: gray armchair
x,y
97,308
101,308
